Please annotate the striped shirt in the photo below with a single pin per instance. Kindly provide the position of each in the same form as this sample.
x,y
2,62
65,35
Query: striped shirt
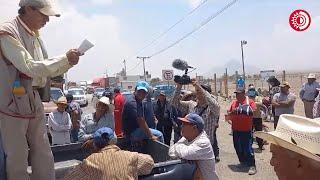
x,y
112,163
210,110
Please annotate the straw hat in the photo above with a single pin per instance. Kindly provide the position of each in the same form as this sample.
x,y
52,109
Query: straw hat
x,y
311,76
62,100
296,133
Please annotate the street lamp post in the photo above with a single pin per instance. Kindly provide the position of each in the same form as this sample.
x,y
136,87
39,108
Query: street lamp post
x,y
243,42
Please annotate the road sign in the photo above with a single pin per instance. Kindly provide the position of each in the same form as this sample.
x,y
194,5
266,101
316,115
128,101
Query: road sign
x,y
266,74
167,75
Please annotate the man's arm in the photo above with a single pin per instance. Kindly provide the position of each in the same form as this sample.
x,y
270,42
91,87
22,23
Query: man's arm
x,y
54,125
212,103
83,171
195,151
144,126
176,100
145,164
22,60
301,93
83,136
274,101
288,103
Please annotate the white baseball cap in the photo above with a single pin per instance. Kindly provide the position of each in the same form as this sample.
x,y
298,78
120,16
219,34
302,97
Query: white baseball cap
x,y
296,133
46,7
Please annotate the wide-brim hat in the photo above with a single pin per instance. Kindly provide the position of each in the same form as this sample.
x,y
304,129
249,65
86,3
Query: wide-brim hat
x,y
285,84
311,76
62,100
296,133
105,100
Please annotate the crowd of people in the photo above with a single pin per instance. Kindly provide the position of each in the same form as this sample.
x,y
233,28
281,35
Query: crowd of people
x,y
194,118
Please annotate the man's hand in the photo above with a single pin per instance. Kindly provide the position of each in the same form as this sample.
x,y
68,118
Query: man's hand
x,y
154,138
88,144
195,83
73,56
179,86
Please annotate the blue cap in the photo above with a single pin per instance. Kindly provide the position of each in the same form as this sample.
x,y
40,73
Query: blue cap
x,y
252,93
194,119
98,135
142,85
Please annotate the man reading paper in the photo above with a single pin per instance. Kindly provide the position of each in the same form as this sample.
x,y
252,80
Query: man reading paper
x,y
24,67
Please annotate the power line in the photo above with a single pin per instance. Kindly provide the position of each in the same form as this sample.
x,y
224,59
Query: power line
x,y
133,68
166,31
171,27
195,29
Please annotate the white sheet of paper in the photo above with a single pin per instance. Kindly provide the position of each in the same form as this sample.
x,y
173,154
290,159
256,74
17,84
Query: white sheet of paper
x,y
85,46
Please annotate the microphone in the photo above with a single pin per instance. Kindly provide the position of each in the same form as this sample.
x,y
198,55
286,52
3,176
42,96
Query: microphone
x,y
180,64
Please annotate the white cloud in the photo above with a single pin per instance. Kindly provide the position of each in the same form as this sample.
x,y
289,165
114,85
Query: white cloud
x,y
195,3
102,2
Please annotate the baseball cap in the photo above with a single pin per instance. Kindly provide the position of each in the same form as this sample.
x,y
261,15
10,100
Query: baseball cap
x,y
142,85
102,136
206,87
194,119
284,84
46,7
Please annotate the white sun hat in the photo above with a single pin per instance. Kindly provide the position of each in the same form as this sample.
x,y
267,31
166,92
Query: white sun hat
x,y
296,133
311,76
106,101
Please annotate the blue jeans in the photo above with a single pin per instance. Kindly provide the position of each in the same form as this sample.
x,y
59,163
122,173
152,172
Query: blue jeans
x,y
139,134
74,135
2,162
242,142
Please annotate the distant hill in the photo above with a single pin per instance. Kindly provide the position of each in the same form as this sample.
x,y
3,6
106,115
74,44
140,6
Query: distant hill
x,y
233,65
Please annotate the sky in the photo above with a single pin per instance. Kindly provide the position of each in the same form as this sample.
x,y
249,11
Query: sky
x,y
121,28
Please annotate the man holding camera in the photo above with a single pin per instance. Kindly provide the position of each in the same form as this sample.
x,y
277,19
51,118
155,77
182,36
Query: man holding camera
x,y
205,106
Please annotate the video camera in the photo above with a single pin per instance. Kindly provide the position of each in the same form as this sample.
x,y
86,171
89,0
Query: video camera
x,y
182,65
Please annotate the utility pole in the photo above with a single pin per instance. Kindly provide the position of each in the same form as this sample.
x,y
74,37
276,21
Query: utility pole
x,y
243,42
125,67
144,68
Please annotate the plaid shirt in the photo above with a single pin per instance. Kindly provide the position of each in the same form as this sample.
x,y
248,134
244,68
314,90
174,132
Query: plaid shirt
x,y
210,109
112,163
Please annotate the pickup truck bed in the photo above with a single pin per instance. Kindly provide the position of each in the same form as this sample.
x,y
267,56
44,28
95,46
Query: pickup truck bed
x,y
68,156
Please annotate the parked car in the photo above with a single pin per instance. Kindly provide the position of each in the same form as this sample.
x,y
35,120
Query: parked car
x,y
79,96
167,89
126,94
98,92
55,93
66,157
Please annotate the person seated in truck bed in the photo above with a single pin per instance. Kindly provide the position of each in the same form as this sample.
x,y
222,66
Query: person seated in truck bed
x,y
195,146
59,122
103,117
110,162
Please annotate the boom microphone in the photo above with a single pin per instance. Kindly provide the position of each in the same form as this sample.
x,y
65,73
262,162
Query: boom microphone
x,y
180,64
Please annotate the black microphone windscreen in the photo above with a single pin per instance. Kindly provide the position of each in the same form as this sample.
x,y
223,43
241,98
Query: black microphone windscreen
x,y
180,64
